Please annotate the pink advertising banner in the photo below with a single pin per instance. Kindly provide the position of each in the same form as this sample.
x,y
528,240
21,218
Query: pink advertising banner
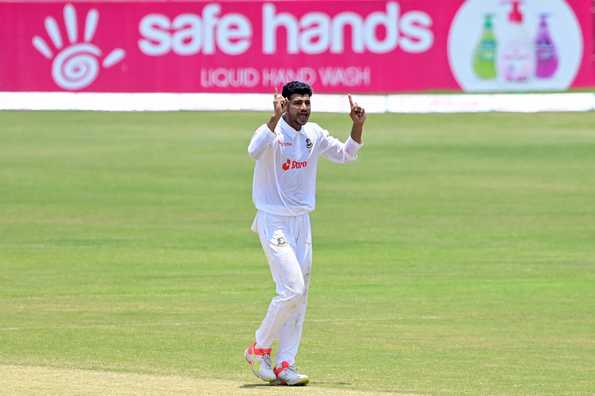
x,y
256,46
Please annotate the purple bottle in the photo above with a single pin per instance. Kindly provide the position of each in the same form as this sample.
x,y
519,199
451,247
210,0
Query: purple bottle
x,y
546,59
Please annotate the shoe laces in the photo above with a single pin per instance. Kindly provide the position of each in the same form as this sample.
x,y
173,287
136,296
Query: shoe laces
x,y
267,359
292,369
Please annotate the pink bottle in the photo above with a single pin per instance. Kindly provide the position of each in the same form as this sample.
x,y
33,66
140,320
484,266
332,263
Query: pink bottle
x,y
516,56
546,56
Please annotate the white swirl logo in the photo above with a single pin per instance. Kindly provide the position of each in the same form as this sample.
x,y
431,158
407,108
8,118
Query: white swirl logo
x,y
77,65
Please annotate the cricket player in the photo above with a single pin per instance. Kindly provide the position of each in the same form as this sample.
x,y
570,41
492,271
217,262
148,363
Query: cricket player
x,y
286,150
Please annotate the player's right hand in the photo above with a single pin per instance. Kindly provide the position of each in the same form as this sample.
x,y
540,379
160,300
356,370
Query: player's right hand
x,y
279,104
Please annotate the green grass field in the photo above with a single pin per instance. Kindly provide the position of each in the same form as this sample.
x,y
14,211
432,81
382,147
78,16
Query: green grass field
x,y
456,256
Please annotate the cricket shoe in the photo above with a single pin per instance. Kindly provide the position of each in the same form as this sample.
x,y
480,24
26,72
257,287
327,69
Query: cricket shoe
x,y
287,374
259,360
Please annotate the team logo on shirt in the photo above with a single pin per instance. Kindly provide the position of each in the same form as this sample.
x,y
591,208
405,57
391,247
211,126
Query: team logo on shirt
x,y
309,143
289,164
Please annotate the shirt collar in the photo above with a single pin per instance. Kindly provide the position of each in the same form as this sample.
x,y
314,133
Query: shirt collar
x,y
288,130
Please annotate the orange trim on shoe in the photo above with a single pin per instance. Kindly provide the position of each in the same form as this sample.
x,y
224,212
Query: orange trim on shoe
x,y
259,351
279,370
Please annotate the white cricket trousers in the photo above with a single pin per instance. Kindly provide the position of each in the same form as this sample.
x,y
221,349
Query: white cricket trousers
x,y
287,243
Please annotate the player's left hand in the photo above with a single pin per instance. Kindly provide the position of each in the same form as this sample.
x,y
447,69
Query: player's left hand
x,y
358,113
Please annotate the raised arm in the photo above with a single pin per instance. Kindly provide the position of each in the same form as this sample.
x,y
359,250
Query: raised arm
x,y
358,116
265,135
279,106
340,152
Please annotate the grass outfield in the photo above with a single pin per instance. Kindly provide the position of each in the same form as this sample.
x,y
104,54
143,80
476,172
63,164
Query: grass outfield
x,y
456,256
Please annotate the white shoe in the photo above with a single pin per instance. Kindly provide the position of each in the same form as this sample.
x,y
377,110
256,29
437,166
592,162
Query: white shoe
x,y
259,360
287,374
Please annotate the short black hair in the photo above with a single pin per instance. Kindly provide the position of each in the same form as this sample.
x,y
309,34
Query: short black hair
x,y
296,87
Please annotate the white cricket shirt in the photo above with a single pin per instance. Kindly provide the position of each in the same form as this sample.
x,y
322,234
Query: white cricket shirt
x,y
286,163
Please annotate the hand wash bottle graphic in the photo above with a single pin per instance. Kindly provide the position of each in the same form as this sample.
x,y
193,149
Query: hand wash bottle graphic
x,y
546,55
484,58
516,59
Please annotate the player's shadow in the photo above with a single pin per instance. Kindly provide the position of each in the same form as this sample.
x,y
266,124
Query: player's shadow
x,y
252,386
256,386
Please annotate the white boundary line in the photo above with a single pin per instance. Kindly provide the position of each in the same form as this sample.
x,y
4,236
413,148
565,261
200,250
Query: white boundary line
x,y
419,103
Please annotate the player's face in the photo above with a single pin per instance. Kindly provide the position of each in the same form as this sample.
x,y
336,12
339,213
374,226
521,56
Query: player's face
x,y
298,109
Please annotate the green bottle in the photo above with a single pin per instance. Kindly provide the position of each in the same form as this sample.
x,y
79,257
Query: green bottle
x,y
484,58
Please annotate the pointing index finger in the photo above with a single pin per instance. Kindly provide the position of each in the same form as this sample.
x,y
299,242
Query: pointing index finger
x,y
350,100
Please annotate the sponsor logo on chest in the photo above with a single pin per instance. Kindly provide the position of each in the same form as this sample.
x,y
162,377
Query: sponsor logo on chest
x,y
290,164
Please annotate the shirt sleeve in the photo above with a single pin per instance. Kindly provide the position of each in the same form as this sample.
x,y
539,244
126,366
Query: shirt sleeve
x,y
261,140
337,151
